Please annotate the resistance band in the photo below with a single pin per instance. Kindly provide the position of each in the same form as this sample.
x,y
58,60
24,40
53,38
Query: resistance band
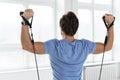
x,y
105,42
32,40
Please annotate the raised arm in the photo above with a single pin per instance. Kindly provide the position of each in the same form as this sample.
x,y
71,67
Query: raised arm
x,y
100,46
25,36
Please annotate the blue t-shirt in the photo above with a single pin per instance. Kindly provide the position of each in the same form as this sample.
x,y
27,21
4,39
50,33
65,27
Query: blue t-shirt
x,y
67,58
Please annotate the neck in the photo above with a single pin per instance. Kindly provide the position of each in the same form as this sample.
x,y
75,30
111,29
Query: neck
x,y
70,38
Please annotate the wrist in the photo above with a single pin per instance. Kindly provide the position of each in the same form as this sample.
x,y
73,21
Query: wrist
x,y
111,27
24,23
110,30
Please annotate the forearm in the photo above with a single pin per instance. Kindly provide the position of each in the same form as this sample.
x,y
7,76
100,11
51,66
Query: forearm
x,y
110,39
25,38
100,46
27,44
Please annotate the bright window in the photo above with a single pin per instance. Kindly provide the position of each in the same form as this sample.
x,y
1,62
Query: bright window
x,y
43,22
100,29
92,26
85,22
10,49
85,1
103,1
11,54
10,23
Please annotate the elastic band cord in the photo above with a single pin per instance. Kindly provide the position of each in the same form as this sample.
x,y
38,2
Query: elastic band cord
x,y
35,56
106,25
102,58
32,40
105,42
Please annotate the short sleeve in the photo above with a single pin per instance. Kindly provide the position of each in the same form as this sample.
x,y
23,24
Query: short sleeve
x,y
89,46
50,46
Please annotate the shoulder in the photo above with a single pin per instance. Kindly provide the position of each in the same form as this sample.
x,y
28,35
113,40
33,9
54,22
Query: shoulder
x,y
51,42
88,45
81,40
51,45
86,42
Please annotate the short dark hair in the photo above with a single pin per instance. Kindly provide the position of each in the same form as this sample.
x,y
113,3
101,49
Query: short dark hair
x,y
69,23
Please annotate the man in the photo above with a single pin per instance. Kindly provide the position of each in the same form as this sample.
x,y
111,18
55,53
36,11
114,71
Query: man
x,y
67,55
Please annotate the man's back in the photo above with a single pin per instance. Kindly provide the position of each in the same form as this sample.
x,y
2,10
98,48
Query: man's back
x,y
67,58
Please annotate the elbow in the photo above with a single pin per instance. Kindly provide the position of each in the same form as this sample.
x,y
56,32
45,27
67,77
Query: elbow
x,y
24,48
108,48
27,48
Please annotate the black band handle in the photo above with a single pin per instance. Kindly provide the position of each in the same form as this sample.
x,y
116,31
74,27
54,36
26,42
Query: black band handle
x,y
26,21
108,26
21,13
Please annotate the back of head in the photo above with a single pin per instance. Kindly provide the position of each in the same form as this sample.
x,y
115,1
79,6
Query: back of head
x,y
69,24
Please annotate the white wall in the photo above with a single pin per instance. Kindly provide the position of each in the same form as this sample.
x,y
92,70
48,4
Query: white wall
x,y
91,72
45,74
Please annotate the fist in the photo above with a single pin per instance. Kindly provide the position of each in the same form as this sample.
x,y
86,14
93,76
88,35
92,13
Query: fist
x,y
109,18
28,13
